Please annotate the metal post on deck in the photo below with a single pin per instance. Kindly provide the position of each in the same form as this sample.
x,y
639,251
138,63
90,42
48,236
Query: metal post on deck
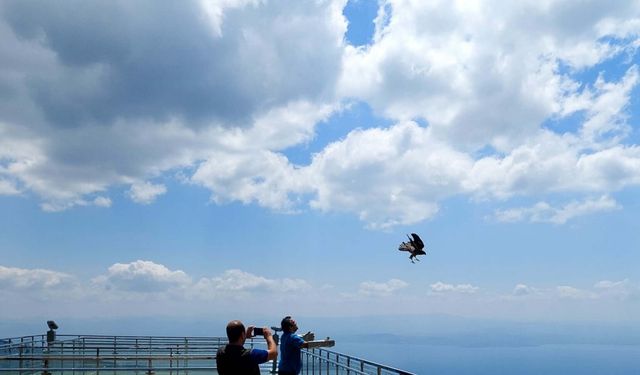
x,y
328,363
276,338
186,352
115,351
20,349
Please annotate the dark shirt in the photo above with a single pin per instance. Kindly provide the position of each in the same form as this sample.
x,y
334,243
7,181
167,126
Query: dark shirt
x,y
236,360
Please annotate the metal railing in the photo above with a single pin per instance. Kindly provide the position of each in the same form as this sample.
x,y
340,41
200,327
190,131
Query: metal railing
x,y
148,355
322,361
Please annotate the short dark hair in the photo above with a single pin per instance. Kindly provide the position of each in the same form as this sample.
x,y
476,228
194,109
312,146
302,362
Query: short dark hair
x,y
235,329
285,324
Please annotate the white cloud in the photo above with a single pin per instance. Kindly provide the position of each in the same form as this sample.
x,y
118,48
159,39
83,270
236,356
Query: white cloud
x,y
602,290
440,288
262,176
372,288
566,291
623,289
388,177
238,282
543,212
491,85
37,280
100,116
524,290
483,72
146,193
605,124
102,202
148,281
142,276
61,205
8,188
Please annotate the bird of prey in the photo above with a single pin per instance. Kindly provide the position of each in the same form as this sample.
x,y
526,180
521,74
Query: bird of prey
x,y
415,246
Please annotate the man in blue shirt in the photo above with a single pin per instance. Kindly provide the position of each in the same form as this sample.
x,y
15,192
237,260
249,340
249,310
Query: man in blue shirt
x,y
290,345
234,359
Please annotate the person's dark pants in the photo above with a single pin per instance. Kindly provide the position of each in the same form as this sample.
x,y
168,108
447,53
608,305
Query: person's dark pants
x,y
280,372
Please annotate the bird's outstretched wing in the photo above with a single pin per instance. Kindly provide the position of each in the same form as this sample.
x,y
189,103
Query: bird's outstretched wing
x,y
417,241
406,246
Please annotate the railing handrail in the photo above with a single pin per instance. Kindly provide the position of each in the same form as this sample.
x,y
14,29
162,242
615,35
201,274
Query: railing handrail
x,y
152,353
365,361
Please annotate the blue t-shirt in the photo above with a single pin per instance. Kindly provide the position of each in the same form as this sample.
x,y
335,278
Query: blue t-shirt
x,y
259,355
290,360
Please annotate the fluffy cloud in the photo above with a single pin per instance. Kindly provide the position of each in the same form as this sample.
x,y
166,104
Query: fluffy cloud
x,y
623,289
440,288
146,192
543,212
142,276
121,93
372,288
263,177
602,290
387,176
524,290
36,280
479,95
8,188
482,73
148,277
237,282
566,291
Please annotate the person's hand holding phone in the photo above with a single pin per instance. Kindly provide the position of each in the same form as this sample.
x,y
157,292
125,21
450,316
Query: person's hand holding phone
x,y
258,331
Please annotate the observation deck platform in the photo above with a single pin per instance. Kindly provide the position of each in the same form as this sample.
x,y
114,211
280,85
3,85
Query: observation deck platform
x,y
153,355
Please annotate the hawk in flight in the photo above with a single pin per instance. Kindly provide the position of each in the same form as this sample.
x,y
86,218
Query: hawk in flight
x,y
415,246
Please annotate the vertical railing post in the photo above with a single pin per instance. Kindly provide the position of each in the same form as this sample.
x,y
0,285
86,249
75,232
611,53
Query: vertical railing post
x,y
115,350
186,353
136,352
20,361
328,363
73,353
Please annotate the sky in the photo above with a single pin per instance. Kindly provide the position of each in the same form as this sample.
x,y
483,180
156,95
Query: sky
x,y
244,158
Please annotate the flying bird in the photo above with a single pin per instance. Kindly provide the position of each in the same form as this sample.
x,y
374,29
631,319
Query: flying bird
x,y
414,246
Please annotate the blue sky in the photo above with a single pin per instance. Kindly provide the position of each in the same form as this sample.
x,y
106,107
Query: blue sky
x,y
238,157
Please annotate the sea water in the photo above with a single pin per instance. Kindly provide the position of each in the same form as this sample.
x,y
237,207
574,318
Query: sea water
x,y
425,359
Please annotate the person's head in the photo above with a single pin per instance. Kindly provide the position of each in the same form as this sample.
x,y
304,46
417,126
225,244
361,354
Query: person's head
x,y
236,332
288,324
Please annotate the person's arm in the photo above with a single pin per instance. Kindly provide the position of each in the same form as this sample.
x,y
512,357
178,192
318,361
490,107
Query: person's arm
x,y
309,336
272,348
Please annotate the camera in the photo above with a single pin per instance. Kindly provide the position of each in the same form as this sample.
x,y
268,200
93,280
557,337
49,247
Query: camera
x,y
258,331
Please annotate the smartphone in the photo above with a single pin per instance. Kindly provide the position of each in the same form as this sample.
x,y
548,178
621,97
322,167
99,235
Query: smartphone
x,y
258,331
